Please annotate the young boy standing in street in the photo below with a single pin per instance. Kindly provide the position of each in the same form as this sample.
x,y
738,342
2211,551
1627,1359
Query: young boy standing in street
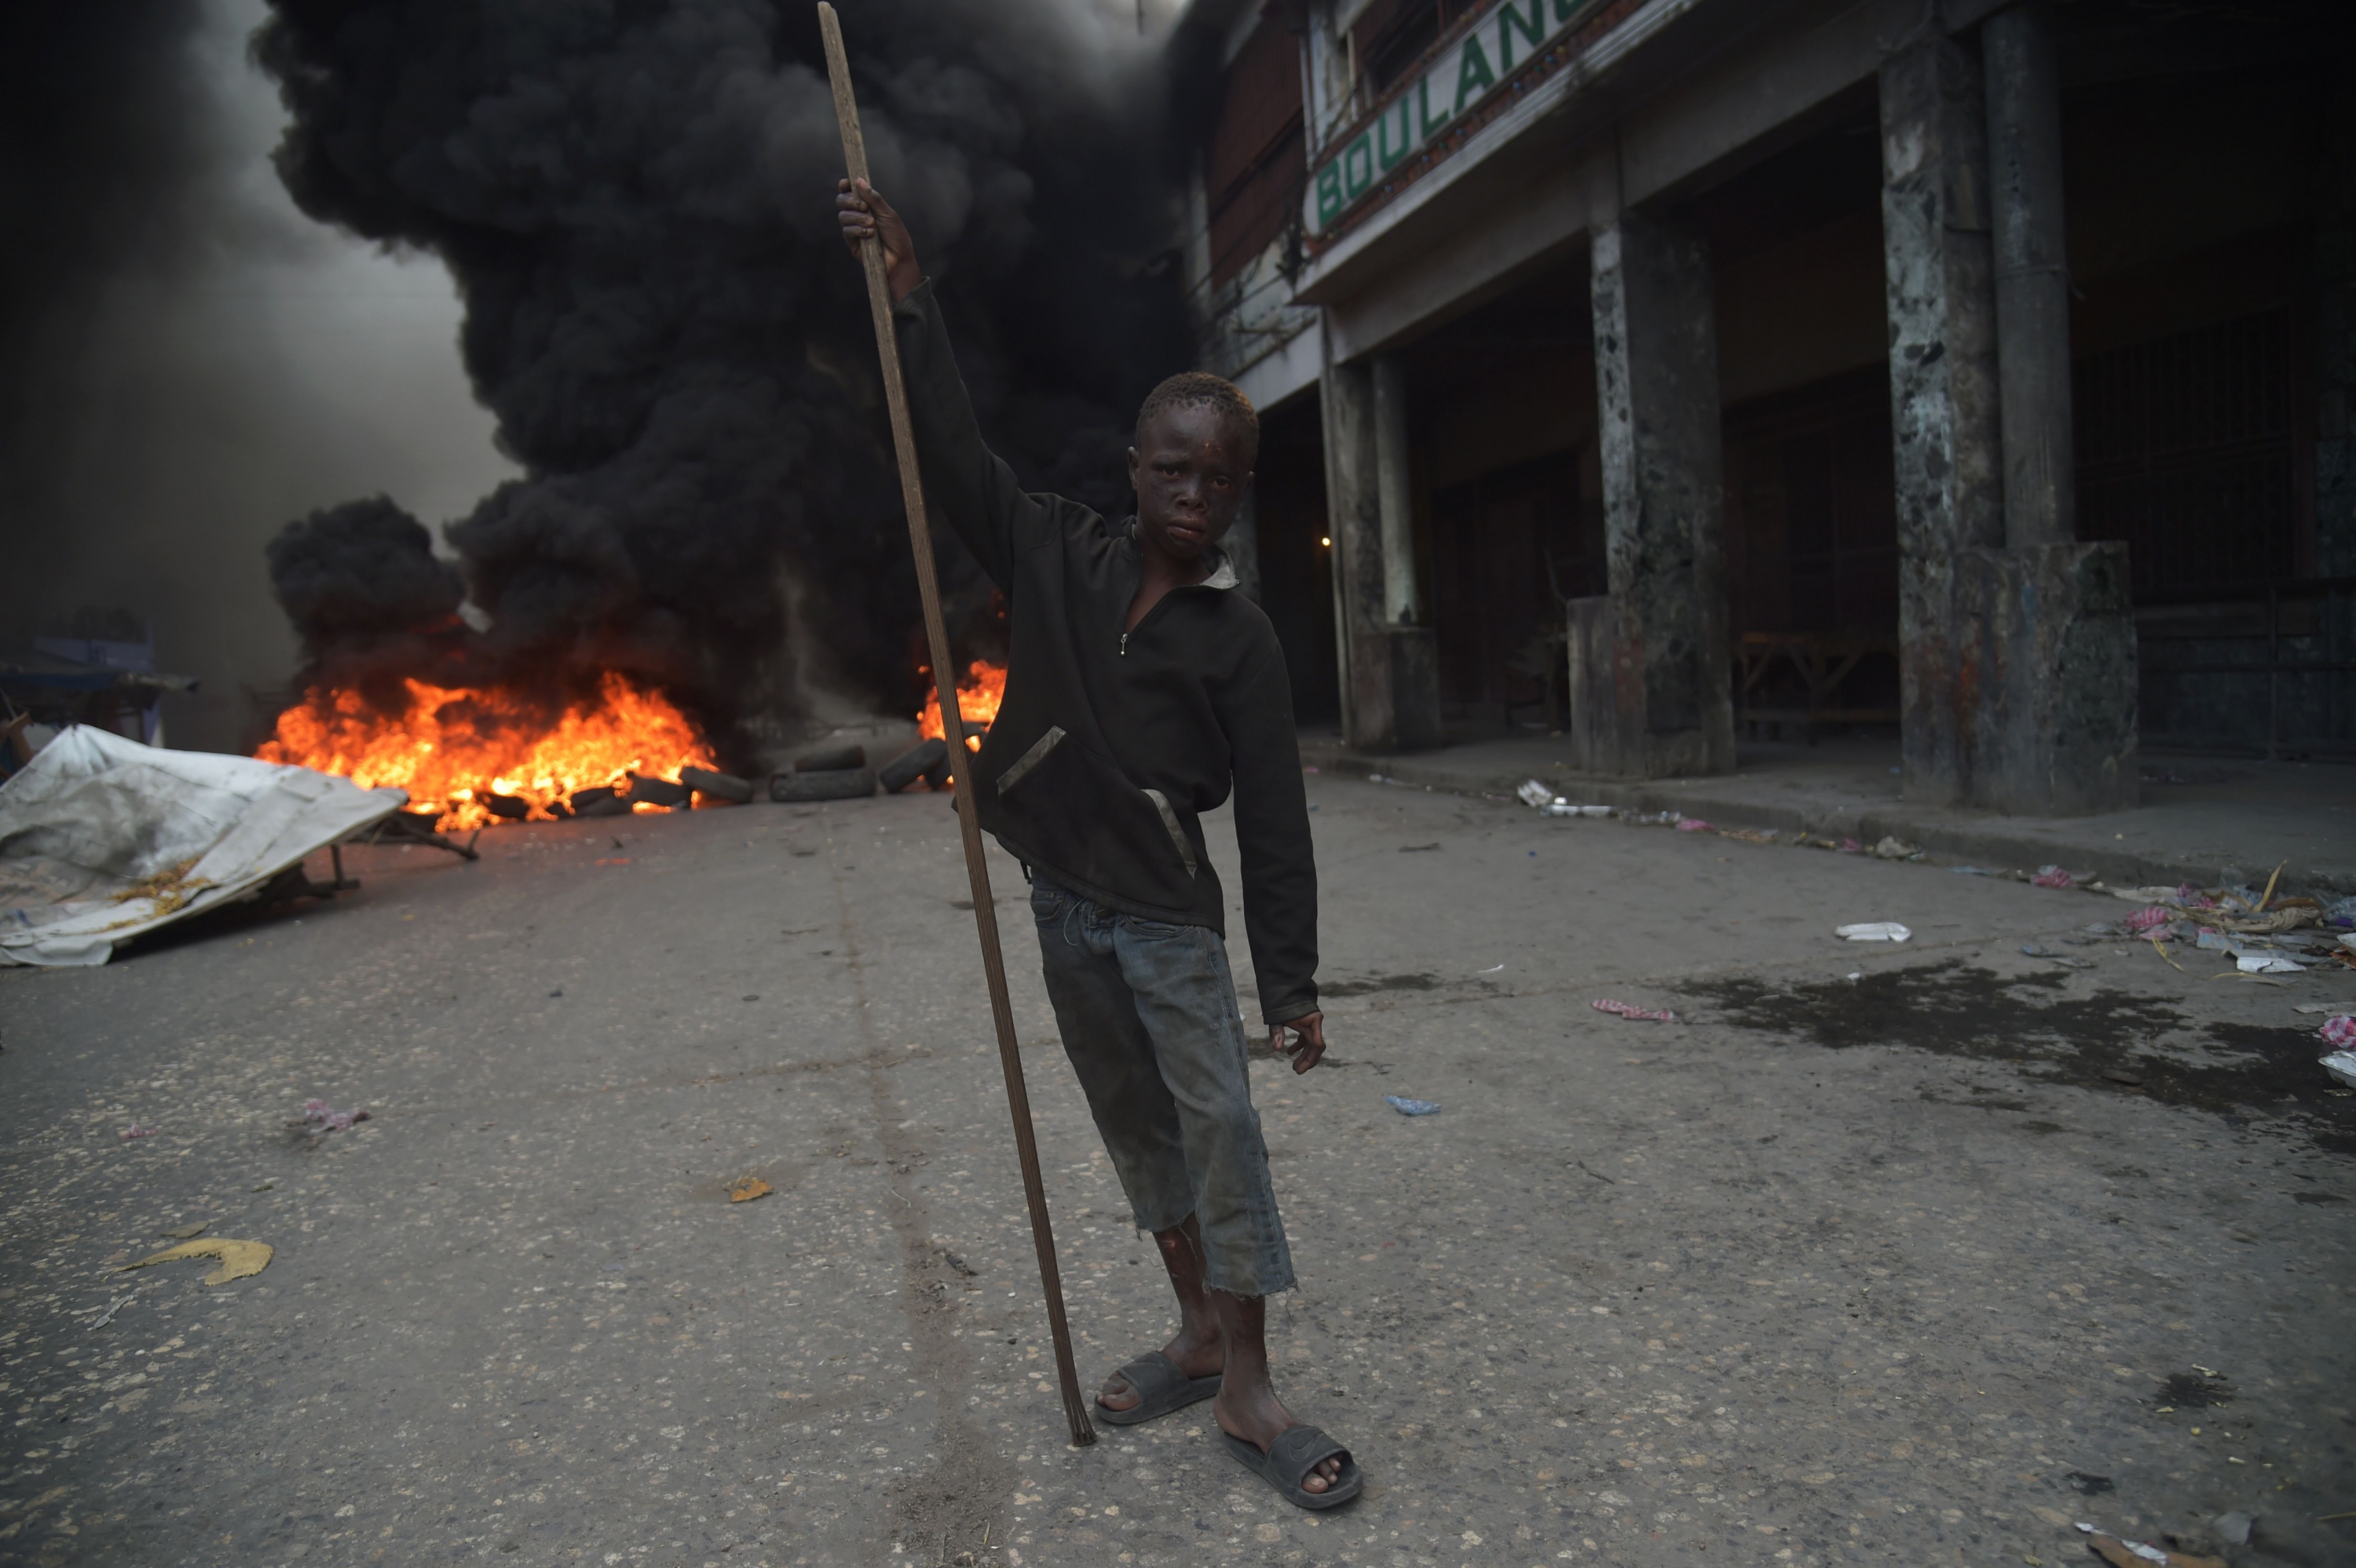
x,y
1139,686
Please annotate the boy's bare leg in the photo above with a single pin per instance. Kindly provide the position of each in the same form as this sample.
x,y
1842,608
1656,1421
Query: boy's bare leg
x,y
1196,1348
1246,1405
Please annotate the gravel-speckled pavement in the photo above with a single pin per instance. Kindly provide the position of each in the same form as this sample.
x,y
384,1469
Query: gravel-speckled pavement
x,y
1873,1256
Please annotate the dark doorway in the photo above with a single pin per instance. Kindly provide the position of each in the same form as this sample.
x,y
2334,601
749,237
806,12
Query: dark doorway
x,y
1295,563
1811,503
1504,554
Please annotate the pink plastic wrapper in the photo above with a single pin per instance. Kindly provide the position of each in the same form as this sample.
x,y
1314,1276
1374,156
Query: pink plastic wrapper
x,y
318,1118
135,1130
2338,1032
1692,825
1630,1011
2149,918
2054,877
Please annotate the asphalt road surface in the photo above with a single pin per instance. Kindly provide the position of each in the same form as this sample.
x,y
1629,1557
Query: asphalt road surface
x,y
1874,1255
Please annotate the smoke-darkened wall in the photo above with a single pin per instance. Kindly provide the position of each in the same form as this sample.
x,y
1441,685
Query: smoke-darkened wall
x,y
636,200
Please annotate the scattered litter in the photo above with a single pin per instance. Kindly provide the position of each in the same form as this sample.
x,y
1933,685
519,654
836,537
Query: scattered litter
x,y
1492,969
238,1259
2054,877
2251,962
2129,1553
2234,1528
1892,847
2341,1065
2339,1032
135,1130
318,1120
1407,1107
2343,913
1534,794
1851,847
1973,872
1628,1010
1874,931
1693,825
107,1317
1749,835
188,1232
2147,918
2034,951
745,1188
1857,973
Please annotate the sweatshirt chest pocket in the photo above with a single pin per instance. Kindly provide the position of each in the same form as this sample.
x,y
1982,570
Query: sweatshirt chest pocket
x,y
1079,814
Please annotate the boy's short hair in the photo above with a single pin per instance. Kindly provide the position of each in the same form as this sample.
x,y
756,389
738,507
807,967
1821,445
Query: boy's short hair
x,y
1201,389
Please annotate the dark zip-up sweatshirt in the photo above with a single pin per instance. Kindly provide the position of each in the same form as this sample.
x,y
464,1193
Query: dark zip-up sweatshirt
x,y
1110,743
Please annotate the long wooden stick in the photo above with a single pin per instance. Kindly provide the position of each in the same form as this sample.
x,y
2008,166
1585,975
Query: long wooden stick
x,y
985,911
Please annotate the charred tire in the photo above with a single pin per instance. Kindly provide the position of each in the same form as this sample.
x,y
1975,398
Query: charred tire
x,y
720,786
842,760
919,761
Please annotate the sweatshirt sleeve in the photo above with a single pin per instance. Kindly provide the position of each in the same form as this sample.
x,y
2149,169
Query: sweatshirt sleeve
x,y
965,482
1280,864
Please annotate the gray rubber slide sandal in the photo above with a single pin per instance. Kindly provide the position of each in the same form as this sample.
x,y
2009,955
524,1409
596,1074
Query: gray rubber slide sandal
x,y
1297,1451
1162,1387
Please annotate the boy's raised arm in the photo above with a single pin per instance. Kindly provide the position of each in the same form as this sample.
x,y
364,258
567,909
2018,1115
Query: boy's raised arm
x,y
964,480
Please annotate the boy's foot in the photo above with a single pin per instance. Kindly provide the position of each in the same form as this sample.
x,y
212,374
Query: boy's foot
x,y
1195,1357
1259,1417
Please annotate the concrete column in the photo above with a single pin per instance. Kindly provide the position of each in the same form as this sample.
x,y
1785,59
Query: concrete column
x,y
1651,687
1390,673
2032,280
1395,495
1943,387
1354,516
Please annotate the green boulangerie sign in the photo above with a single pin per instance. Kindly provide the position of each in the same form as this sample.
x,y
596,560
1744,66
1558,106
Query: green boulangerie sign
x,y
1423,108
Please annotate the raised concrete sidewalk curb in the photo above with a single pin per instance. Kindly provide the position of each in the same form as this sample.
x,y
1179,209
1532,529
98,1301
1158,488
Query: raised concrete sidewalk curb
x,y
2249,819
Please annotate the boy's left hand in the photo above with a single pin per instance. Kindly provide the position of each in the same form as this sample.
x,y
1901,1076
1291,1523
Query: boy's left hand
x,y
1308,1045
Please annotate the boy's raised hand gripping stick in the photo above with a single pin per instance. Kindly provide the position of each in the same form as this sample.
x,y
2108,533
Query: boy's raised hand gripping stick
x,y
985,913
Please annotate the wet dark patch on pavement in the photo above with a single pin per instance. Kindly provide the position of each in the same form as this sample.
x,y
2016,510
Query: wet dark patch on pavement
x,y
1381,983
2100,1040
2195,1390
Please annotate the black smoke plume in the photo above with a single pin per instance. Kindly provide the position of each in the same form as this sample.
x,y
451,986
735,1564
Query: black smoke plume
x,y
636,199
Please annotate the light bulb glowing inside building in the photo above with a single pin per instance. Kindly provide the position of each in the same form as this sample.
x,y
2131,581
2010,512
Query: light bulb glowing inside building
x,y
1326,543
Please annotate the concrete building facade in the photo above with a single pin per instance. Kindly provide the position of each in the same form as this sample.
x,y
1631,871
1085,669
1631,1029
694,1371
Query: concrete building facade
x,y
1662,372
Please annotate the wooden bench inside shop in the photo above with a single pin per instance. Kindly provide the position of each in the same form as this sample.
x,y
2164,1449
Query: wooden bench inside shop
x,y
1823,662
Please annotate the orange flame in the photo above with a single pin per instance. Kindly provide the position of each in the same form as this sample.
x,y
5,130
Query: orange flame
x,y
979,695
456,744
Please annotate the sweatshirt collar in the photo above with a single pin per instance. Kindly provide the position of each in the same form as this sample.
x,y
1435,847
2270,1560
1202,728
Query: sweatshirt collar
x,y
1223,569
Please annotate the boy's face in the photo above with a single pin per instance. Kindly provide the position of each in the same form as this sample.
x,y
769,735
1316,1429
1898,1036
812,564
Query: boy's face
x,y
1190,468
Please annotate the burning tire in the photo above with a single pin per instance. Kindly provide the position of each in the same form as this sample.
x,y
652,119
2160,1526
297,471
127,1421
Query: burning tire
x,y
823,784
656,791
926,760
601,801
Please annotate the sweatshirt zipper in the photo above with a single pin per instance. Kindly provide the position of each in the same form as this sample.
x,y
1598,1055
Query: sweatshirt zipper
x,y
1124,644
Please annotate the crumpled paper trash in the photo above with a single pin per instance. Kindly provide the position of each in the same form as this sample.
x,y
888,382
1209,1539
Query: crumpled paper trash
x,y
1874,931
